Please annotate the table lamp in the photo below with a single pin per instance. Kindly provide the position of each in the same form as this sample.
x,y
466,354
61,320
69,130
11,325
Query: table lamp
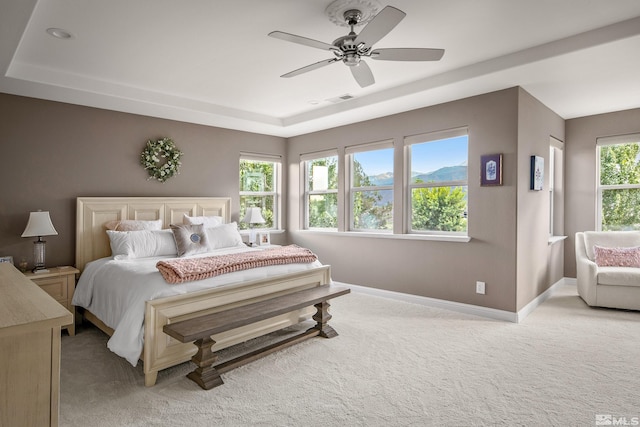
x,y
39,225
253,216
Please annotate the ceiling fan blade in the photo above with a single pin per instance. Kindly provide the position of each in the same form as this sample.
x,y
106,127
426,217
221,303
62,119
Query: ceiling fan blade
x,y
380,26
302,40
310,67
362,73
407,54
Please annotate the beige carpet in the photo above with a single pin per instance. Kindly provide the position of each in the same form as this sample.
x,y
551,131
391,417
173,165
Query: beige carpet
x,y
394,364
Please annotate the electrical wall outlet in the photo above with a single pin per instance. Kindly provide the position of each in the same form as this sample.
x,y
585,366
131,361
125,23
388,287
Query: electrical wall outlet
x,y
480,288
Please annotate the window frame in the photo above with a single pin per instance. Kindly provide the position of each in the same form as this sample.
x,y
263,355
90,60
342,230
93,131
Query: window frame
x,y
305,160
633,138
350,151
426,138
276,193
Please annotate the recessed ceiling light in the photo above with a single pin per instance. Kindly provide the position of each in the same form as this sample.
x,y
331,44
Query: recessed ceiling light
x,y
314,102
59,33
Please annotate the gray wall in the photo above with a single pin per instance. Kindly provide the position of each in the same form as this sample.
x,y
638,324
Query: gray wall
x,y
54,152
448,270
539,264
580,179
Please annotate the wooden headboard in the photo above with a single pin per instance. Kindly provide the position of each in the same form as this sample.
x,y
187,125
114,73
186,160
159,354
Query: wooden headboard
x,y
92,213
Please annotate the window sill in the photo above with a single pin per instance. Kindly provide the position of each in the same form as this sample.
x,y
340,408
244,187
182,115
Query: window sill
x,y
261,230
556,239
421,237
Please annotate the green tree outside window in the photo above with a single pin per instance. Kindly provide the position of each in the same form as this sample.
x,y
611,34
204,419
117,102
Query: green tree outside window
x,y
620,182
322,192
258,189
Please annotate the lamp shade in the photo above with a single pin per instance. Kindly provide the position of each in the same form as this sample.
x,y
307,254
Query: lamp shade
x,y
253,216
39,224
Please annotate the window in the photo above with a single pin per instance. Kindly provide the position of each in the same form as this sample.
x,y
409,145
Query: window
x,y
437,177
555,186
429,200
260,187
321,190
618,185
371,186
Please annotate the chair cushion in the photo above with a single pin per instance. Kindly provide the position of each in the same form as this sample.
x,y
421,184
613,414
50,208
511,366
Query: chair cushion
x,y
619,276
609,239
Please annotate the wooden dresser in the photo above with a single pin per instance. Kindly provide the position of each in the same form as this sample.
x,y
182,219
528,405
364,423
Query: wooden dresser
x,y
30,324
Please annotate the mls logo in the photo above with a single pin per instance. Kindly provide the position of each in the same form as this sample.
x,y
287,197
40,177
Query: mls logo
x,y
610,420
604,420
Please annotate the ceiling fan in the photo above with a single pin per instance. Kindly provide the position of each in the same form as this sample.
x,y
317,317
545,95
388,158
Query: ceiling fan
x,y
351,49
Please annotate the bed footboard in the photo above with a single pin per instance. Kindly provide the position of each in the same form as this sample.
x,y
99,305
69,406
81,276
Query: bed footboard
x,y
162,351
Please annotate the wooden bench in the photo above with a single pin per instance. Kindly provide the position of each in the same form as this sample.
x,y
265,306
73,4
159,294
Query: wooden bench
x,y
200,329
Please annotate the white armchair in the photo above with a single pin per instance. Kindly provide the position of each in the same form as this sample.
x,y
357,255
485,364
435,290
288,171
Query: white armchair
x,y
614,286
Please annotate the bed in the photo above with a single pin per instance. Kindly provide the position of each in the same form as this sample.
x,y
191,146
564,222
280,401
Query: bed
x,y
159,351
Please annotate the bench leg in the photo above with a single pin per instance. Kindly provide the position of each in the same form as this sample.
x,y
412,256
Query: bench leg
x,y
205,375
322,316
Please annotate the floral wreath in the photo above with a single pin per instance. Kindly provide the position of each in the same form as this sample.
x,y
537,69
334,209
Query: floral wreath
x,y
153,155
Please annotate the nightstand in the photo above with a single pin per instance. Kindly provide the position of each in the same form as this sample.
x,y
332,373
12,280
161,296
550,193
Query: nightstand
x,y
60,283
267,246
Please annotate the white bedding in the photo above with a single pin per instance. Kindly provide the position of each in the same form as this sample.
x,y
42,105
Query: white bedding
x,y
116,290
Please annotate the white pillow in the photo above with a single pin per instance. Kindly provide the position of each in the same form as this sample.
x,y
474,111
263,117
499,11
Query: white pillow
x,y
141,244
207,221
133,225
224,236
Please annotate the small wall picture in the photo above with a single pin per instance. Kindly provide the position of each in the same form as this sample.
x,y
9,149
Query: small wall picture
x,y
264,238
491,170
6,259
537,173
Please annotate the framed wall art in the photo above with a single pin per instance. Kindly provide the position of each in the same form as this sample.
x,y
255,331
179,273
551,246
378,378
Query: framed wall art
x,y
491,170
537,173
264,238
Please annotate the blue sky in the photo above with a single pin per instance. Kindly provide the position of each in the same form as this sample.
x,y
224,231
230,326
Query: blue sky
x,y
424,157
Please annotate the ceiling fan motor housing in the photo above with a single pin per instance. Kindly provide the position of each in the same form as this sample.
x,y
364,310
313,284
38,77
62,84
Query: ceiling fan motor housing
x,y
349,52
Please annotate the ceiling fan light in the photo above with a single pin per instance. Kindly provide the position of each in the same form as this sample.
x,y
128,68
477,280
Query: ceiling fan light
x,y
351,60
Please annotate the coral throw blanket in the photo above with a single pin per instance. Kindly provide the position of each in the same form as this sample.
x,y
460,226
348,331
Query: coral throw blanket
x,y
182,270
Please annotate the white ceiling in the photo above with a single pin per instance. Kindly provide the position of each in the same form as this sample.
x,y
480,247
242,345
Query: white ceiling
x,y
211,62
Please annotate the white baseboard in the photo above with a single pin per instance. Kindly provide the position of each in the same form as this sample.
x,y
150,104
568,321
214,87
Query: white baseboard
x,y
528,309
475,310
